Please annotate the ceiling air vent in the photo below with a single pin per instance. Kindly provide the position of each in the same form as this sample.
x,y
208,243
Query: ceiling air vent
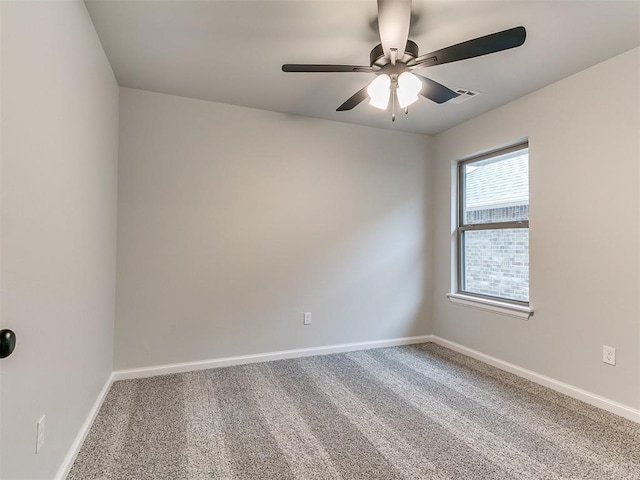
x,y
464,95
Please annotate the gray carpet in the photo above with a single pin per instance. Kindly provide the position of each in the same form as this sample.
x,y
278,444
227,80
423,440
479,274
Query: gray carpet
x,y
415,412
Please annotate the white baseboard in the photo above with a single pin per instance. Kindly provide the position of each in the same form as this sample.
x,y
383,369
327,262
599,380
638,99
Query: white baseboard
x,y
263,357
574,392
64,469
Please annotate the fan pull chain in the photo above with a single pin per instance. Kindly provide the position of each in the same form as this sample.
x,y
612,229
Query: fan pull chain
x,y
393,105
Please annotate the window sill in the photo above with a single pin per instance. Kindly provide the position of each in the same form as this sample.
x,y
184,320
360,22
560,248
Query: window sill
x,y
503,308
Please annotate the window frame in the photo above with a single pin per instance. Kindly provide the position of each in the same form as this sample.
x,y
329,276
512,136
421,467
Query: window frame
x,y
462,227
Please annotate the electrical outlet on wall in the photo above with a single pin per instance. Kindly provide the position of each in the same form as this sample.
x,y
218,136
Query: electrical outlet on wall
x,y
609,355
40,434
307,318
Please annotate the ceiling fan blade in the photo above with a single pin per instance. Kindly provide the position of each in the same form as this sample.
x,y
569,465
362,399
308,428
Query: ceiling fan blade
x,y
293,67
354,100
495,42
435,91
394,17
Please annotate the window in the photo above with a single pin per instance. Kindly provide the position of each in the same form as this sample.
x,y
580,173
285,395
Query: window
x,y
493,226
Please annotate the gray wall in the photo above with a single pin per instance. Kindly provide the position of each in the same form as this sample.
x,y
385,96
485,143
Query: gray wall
x,y
58,194
234,221
584,230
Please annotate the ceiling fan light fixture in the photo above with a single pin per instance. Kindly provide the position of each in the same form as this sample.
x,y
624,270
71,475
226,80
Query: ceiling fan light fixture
x,y
409,87
396,55
379,91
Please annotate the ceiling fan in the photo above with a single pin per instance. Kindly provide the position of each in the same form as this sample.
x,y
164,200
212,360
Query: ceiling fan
x,y
395,58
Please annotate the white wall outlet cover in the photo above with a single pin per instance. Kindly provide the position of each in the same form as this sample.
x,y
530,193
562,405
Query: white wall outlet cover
x,y
609,355
307,318
40,434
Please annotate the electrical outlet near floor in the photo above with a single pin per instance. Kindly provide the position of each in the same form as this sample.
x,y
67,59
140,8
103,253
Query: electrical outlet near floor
x,y
307,318
40,434
609,355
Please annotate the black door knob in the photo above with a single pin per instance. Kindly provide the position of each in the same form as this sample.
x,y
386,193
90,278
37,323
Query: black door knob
x,y
7,343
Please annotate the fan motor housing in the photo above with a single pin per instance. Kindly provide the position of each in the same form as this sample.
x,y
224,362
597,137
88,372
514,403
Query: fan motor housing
x,y
376,57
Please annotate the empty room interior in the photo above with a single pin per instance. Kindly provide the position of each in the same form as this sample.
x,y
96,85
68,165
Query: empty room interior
x,y
319,239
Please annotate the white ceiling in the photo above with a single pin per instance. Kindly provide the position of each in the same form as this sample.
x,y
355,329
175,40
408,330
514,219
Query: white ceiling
x,y
231,51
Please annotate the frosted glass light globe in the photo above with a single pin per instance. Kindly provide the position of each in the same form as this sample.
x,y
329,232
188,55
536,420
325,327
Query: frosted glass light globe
x,y
408,89
379,92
